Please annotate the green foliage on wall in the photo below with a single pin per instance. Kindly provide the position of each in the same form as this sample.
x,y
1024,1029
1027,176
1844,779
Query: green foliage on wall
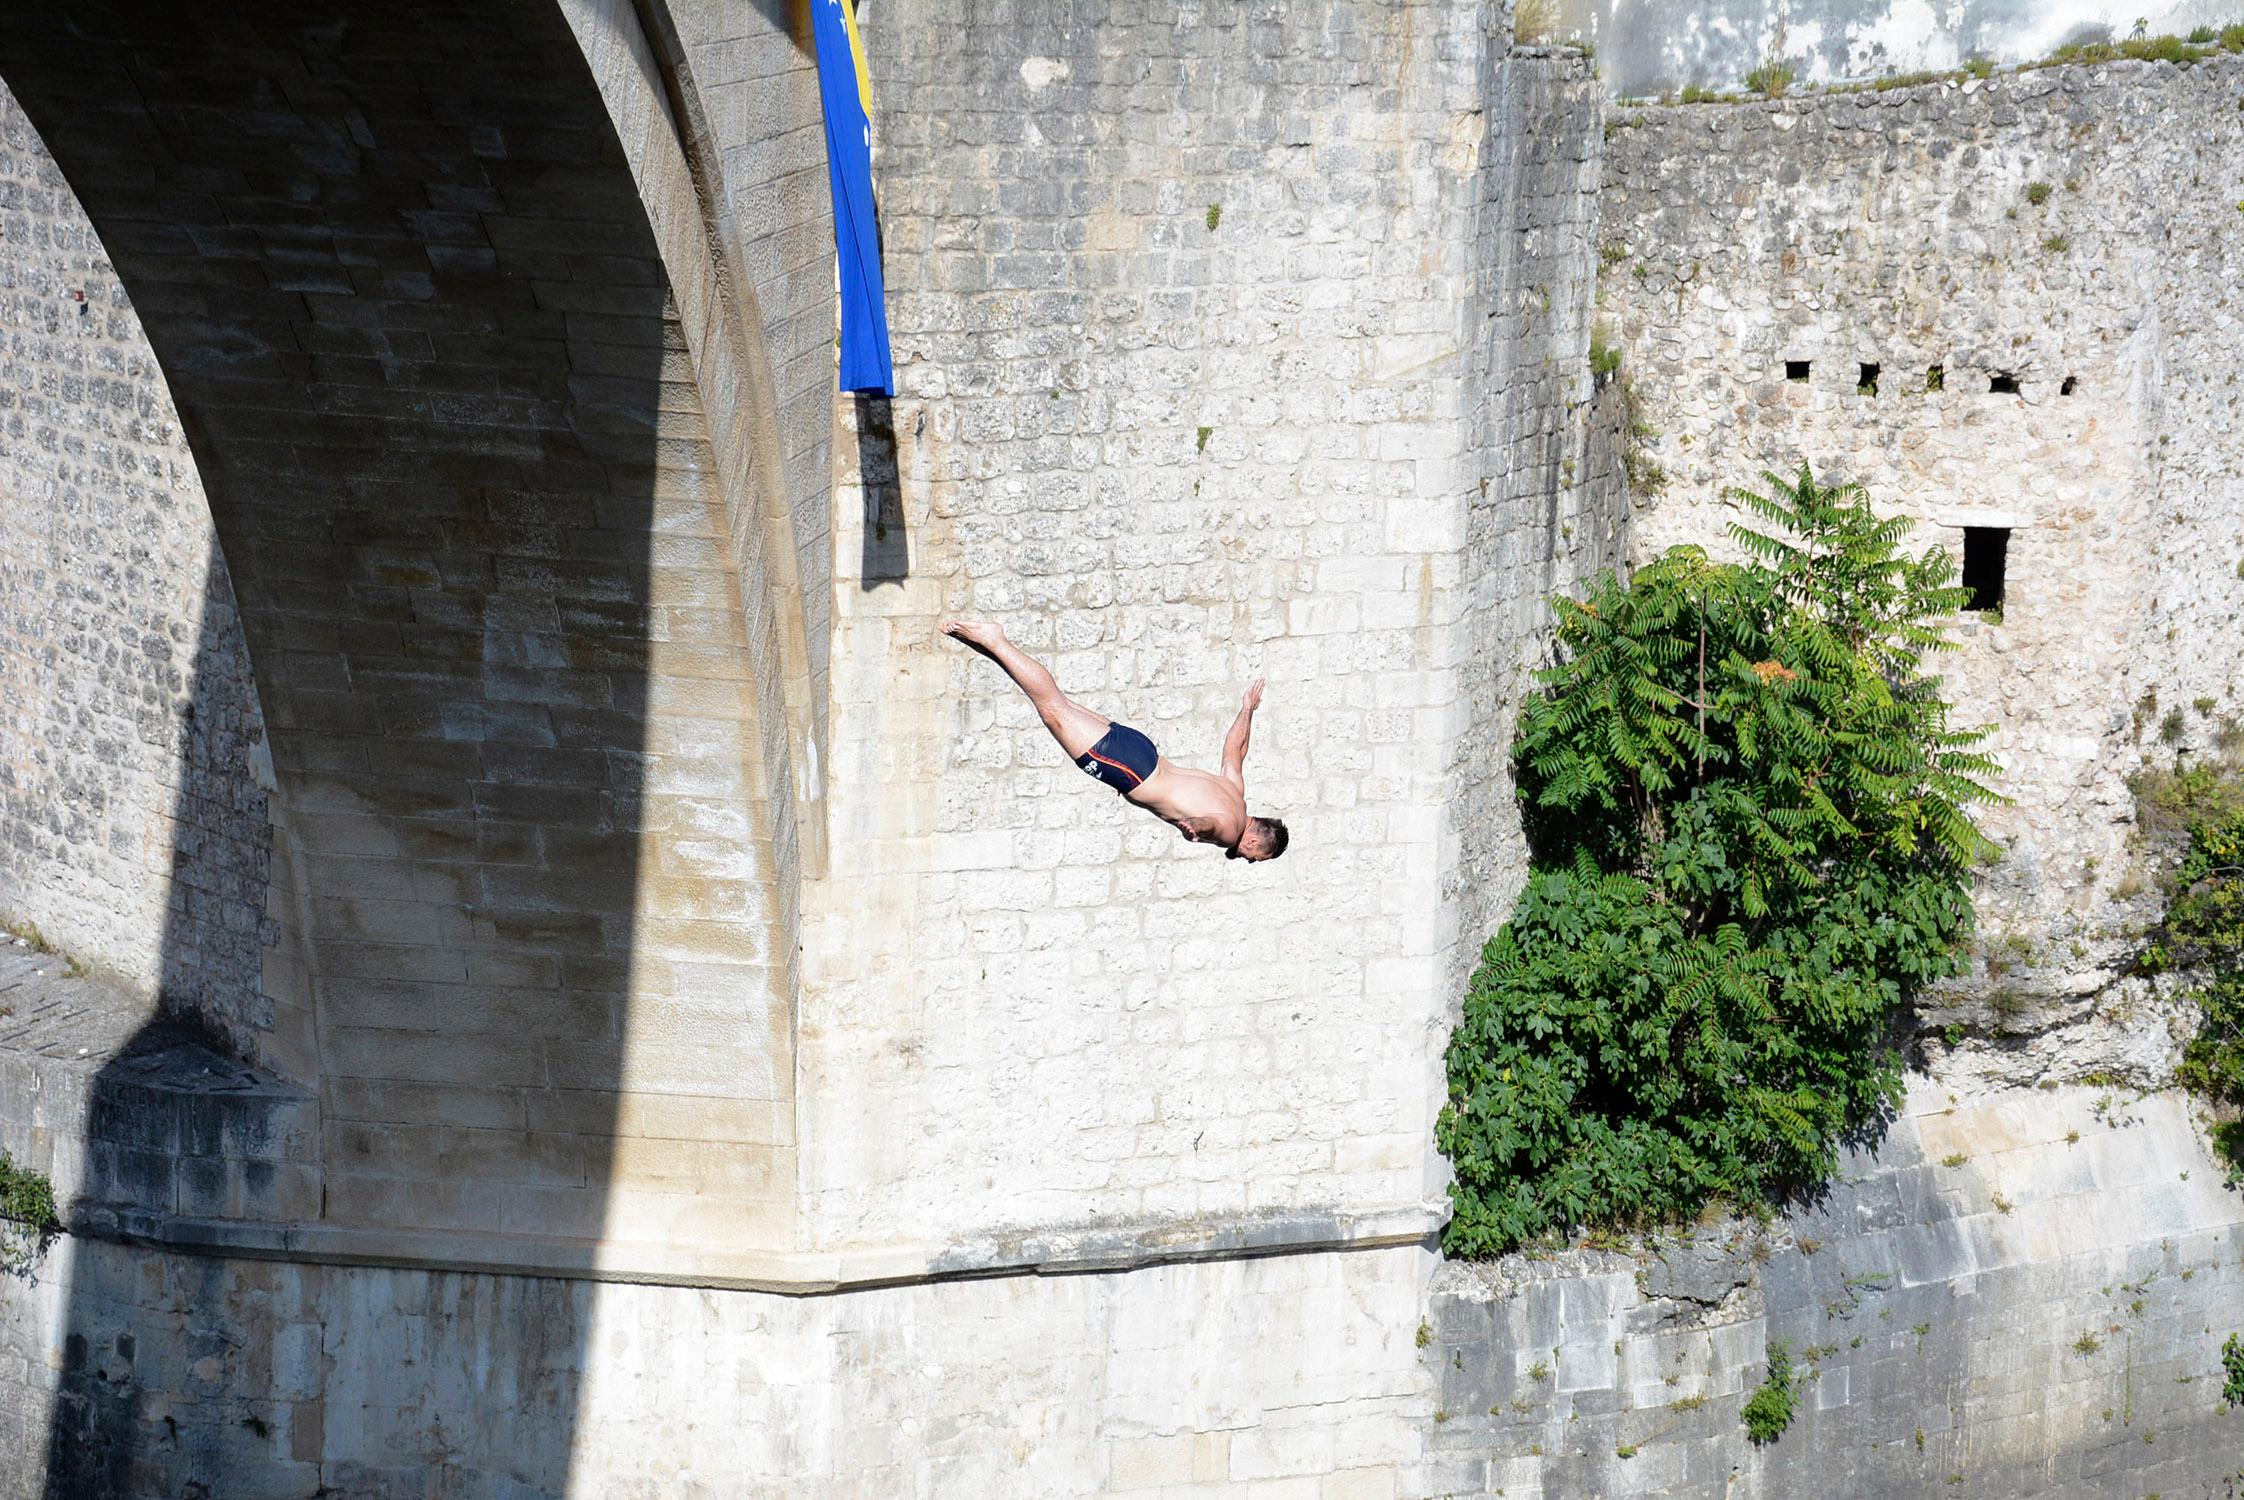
x,y
1746,811
1768,1411
1772,78
2202,934
2232,1366
26,1197
27,1208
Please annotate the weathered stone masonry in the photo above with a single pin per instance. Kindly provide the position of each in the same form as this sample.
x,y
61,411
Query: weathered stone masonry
x,y
1900,230
1232,340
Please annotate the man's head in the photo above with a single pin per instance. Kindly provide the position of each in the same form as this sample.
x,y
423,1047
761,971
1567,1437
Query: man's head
x,y
1265,838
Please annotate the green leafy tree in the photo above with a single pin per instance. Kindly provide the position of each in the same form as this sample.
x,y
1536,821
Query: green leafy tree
x,y
1746,811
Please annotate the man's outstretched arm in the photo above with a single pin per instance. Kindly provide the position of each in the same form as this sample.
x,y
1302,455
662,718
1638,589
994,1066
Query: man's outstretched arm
x,y
1235,743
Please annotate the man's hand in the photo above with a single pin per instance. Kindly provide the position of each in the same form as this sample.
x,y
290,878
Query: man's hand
x,y
1235,743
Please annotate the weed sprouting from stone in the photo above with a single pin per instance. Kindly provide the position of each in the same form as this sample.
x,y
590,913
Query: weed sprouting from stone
x,y
1215,216
2232,1365
1768,1411
1646,477
1534,21
27,1214
1772,78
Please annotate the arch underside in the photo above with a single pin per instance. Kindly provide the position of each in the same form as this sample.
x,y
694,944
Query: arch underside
x,y
405,292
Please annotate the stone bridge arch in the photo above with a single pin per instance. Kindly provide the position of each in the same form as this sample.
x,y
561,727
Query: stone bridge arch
x,y
488,720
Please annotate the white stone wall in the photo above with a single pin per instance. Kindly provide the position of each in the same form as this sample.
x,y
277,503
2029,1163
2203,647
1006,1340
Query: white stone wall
x,y
2030,1294
2021,1297
1646,49
1189,309
1898,229
1290,1376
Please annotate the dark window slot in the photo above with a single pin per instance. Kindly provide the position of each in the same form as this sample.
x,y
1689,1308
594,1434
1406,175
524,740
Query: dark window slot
x,y
1936,377
2002,385
1868,384
1986,550
2072,384
1795,369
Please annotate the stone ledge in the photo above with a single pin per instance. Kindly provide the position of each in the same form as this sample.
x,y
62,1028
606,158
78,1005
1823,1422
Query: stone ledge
x,y
125,1112
1049,1252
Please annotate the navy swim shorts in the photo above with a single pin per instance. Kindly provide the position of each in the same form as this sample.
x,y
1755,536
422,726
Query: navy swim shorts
x,y
1122,758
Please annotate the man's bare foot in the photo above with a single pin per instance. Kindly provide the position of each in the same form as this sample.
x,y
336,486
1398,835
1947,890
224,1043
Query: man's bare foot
x,y
981,633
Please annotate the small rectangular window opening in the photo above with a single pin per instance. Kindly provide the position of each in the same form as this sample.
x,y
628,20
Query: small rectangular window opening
x,y
1936,377
1986,548
1796,369
2002,385
2072,384
1868,384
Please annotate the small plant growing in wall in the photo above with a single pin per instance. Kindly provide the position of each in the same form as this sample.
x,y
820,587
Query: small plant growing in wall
x,y
2202,932
27,1213
1769,1410
2037,193
2232,1366
1772,78
1646,475
1534,22
1746,811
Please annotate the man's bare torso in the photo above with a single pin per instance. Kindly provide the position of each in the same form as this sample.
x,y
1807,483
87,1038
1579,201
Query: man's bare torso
x,y
1204,807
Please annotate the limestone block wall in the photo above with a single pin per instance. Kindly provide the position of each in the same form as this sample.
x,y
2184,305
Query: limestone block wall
x,y
754,70
1548,505
135,827
2023,1297
1900,231
2020,1298
1292,1374
1197,383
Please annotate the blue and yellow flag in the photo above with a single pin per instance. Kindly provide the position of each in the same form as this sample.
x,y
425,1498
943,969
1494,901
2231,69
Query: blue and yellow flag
x,y
847,92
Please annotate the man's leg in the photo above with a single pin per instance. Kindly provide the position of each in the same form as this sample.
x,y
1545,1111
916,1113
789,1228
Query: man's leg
x,y
1074,726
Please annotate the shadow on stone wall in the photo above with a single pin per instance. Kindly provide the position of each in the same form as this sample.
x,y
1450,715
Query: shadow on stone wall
x,y
399,279
887,551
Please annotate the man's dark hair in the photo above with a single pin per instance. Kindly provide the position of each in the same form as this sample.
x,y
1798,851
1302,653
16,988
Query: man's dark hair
x,y
1273,833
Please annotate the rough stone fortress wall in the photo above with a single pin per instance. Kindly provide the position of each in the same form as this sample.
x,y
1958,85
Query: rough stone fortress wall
x,y
2041,270
587,992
